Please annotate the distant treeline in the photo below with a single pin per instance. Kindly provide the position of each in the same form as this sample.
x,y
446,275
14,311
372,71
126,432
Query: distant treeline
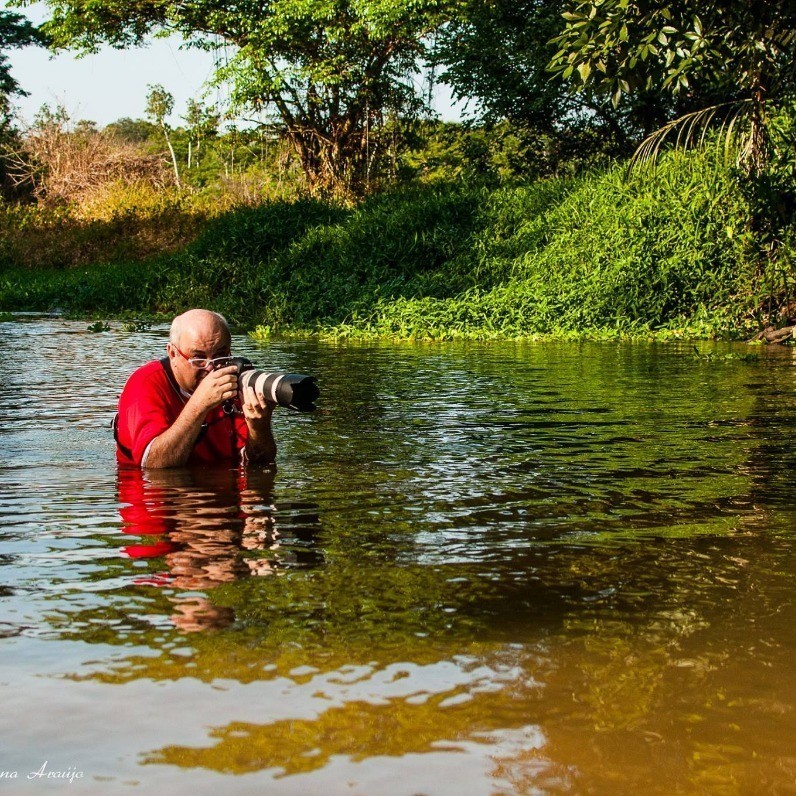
x,y
61,161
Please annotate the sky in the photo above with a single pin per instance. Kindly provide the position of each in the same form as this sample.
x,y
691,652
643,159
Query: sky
x,y
113,84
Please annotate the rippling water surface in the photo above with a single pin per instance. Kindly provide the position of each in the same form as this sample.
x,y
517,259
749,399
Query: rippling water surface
x,y
477,569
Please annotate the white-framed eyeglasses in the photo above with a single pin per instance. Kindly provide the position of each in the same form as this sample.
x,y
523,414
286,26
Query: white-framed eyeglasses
x,y
205,363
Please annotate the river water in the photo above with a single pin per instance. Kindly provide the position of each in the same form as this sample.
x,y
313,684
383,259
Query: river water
x,y
477,569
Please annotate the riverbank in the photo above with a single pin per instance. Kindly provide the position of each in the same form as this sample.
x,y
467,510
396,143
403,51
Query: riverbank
x,y
666,252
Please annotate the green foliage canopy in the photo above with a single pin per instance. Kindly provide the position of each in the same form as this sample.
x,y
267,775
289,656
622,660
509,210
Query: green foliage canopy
x,y
745,49
159,104
137,131
497,54
201,121
332,69
617,45
15,31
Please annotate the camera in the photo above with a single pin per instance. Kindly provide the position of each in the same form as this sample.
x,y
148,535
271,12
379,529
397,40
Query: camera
x,y
292,390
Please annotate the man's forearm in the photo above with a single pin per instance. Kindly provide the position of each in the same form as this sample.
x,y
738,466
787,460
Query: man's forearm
x,y
173,447
261,446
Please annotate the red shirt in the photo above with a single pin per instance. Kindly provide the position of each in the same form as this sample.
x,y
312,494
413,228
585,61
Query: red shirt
x,y
150,403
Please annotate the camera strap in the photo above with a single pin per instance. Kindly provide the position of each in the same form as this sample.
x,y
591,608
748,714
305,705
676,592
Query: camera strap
x,y
123,448
166,363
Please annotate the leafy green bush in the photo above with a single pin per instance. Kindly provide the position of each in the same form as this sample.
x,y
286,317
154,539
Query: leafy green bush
x,y
668,250
664,249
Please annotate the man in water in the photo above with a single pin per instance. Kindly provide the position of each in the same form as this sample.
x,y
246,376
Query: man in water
x,y
185,408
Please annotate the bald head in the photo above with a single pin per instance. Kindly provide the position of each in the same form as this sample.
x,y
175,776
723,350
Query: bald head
x,y
199,324
196,334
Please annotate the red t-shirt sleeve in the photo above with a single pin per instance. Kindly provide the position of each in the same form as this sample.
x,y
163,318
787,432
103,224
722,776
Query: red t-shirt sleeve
x,y
146,410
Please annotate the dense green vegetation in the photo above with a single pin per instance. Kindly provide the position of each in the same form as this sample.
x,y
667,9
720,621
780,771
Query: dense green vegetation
x,y
667,250
350,212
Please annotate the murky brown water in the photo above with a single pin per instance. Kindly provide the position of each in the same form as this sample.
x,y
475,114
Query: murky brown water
x,y
478,569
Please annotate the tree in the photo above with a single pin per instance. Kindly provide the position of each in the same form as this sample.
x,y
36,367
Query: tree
x,y
333,70
498,53
495,57
137,131
159,105
15,31
744,50
201,122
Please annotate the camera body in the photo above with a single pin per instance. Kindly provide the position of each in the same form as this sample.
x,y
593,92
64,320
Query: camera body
x,y
291,390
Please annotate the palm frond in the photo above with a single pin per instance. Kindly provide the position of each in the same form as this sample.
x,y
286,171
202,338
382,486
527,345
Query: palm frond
x,y
736,135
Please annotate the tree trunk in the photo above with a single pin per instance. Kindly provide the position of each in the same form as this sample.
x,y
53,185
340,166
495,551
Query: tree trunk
x,y
173,158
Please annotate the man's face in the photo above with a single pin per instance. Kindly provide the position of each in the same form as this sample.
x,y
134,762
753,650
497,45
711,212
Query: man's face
x,y
204,340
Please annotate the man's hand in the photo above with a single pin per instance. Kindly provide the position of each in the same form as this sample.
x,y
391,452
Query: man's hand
x,y
256,407
215,388
173,447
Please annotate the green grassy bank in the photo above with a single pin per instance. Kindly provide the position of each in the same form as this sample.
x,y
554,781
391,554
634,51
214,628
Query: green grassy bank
x,y
667,251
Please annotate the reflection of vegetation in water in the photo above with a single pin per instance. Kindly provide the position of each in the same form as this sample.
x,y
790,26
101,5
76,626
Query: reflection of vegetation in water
x,y
626,643
342,614
462,466
348,613
647,674
607,441
607,523
358,730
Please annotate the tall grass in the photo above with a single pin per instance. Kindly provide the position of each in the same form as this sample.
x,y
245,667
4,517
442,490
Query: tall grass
x,y
667,249
121,222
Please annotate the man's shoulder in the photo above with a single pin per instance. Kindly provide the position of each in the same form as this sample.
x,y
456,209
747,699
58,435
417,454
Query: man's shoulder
x,y
150,375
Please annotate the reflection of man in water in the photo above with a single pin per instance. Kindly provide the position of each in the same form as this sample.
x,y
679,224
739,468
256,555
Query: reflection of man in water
x,y
202,527
185,408
208,526
213,525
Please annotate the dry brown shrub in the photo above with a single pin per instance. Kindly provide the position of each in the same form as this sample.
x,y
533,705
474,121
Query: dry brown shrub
x,y
65,166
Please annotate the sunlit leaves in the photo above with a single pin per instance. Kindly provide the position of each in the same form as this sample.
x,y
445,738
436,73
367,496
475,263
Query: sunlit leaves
x,y
159,104
673,44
